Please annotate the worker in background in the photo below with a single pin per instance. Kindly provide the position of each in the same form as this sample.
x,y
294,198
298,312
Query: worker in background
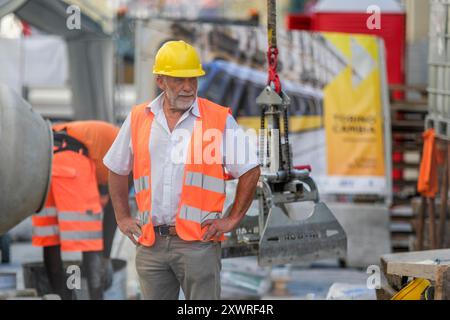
x,y
180,224
73,218
253,16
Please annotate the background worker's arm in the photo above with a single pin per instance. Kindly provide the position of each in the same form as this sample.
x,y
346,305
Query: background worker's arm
x,y
245,193
118,190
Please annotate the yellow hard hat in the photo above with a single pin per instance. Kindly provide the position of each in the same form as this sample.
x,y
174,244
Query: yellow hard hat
x,y
178,59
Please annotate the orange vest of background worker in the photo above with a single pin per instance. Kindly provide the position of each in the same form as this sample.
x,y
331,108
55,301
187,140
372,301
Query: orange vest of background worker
x,y
203,191
72,216
72,219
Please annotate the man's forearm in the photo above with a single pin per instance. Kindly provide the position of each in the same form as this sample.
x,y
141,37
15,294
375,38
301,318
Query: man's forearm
x,y
118,190
245,194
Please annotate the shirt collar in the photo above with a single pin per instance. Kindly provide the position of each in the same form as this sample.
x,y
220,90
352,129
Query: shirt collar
x,y
156,106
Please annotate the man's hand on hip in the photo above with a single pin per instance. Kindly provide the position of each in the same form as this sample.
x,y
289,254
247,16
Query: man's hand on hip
x,y
130,228
244,196
217,227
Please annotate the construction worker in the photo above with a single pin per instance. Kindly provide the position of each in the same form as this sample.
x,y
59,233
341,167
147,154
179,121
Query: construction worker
x,y
72,219
179,224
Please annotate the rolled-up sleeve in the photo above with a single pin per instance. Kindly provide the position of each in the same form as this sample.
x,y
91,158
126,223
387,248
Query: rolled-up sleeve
x,y
119,158
239,148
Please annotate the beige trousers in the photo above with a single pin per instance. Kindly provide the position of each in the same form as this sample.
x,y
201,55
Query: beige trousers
x,y
172,263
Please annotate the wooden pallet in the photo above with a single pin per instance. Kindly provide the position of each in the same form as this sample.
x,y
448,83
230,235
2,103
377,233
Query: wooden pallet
x,y
433,265
421,90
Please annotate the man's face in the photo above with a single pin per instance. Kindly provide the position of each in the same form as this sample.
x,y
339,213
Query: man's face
x,y
180,92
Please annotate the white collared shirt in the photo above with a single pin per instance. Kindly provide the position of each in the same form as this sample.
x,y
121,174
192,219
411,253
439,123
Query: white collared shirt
x,y
167,176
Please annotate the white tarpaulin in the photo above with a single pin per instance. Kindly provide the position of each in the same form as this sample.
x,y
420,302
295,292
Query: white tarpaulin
x,y
45,61
37,61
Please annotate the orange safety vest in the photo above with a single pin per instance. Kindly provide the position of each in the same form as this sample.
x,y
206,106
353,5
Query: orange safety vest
x,y
432,157
427,183
72,216
203,191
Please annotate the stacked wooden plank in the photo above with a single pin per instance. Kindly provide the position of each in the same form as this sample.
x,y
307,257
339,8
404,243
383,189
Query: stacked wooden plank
x,y
408,120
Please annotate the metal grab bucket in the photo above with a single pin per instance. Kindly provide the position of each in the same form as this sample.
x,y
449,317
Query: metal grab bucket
x,y
35,277
26,145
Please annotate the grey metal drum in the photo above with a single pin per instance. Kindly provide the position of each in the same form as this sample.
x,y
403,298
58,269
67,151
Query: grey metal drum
x,y
26,145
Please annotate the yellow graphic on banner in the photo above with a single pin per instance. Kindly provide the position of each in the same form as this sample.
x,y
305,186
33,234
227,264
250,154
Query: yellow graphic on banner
x,y
353,112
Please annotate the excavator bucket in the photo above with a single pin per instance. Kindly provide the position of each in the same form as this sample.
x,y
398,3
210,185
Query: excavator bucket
x,y
285,240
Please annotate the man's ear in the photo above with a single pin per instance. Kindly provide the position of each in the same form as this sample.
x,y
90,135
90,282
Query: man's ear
x,y
160,82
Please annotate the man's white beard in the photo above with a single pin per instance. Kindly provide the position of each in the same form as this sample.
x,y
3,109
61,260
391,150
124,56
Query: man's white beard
x,y
182,106
178,104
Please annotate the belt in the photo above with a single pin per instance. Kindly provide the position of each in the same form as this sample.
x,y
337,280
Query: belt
x,y
165,230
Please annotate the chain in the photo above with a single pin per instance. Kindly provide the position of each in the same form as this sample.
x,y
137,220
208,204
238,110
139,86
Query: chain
x,y
262,135
272,52
272,58
286,141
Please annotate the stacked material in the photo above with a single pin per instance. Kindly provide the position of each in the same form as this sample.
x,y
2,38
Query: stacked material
x,y
346,291
242,278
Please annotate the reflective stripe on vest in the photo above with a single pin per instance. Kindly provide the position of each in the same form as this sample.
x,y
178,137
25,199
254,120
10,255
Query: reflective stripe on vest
x,y
197,215
141,184
45,231
143,217
47,212
198,179
141,122
186,212
78,216
81,235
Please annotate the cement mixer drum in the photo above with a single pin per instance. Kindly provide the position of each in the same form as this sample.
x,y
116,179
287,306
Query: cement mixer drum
x,y
26,145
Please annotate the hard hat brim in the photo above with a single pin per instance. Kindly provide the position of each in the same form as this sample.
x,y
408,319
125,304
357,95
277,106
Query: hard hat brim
x,y
194,73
